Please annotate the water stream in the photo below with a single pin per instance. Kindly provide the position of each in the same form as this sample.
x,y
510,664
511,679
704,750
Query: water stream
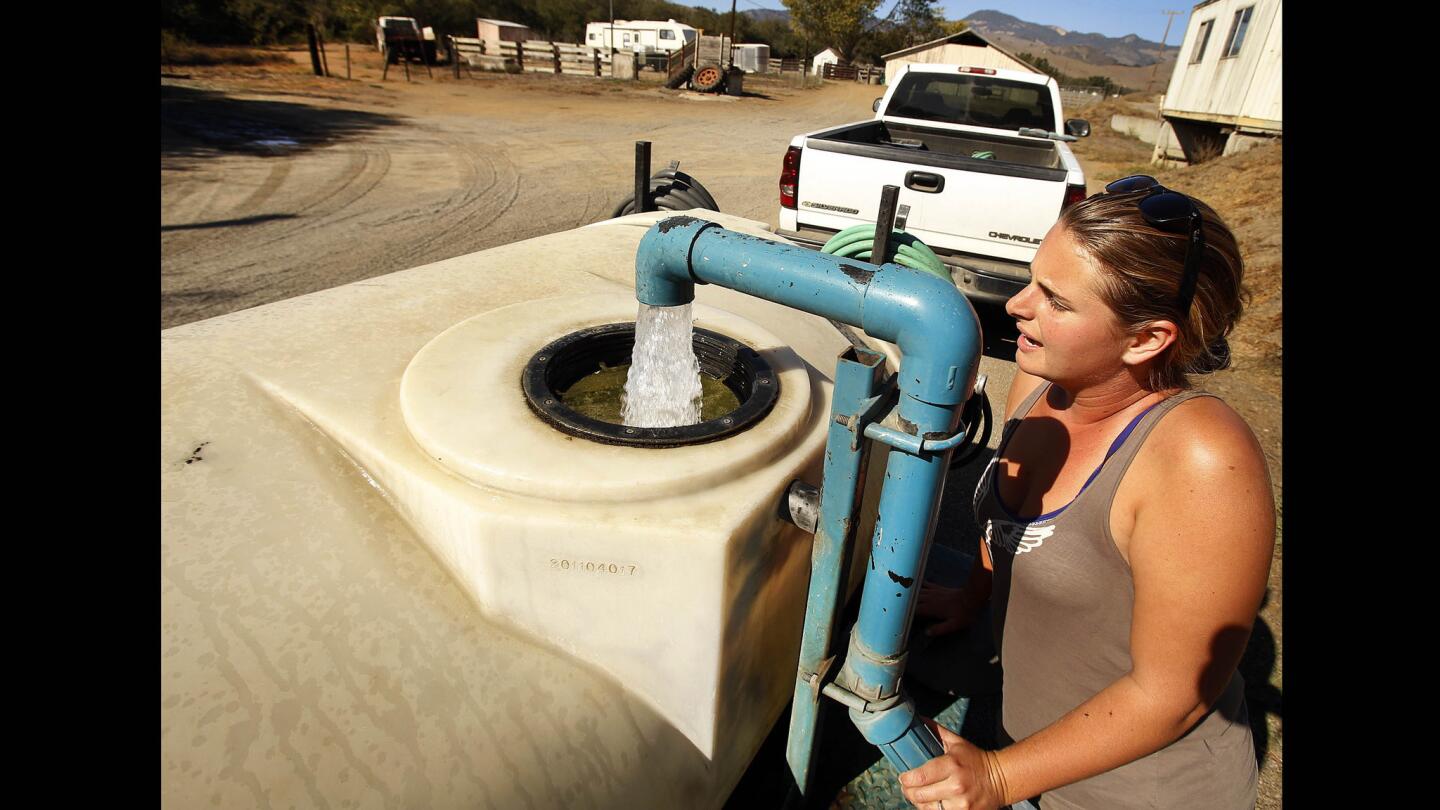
x,y
663,388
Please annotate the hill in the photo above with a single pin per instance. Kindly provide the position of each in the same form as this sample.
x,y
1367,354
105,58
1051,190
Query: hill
x,y
1131,61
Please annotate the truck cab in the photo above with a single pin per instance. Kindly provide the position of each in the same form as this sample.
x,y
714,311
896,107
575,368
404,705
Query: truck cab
x,y
980,156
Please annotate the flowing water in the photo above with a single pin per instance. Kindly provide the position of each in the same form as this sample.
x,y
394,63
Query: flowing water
x,y
663,389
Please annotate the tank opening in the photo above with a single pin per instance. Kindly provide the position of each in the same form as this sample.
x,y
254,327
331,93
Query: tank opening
x,y
574,384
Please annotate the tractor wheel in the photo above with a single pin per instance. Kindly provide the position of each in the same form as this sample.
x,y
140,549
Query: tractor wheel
x,y
680,79
708,78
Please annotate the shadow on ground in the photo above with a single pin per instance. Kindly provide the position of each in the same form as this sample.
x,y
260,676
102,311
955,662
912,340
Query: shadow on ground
x,y
204,123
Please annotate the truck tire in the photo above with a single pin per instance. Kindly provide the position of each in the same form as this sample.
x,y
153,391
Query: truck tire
x,y
708,78
680,79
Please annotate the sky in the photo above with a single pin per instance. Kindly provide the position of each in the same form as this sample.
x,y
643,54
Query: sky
x,y
1113,18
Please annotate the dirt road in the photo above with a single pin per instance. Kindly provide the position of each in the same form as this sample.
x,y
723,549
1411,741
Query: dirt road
x,y
322,182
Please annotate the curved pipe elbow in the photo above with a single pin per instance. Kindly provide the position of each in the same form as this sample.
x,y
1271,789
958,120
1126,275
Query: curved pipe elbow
x,y
662,264
935,327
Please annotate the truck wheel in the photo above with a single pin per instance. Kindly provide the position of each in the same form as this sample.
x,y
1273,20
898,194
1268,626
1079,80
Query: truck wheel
x,y
708,78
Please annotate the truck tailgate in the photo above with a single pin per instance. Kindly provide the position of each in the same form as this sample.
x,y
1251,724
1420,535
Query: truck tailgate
x,y
982,206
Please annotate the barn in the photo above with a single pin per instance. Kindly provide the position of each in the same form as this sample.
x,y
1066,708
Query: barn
x,y
1224,95
829,56
964,48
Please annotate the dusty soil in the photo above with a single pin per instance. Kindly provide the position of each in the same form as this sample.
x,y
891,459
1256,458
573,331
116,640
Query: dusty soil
x,y
382,176
276,183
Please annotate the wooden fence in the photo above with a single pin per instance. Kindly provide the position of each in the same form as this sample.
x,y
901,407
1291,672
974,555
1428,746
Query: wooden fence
x,y
531,56
862,74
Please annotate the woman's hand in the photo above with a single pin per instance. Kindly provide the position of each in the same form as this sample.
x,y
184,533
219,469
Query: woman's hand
x,y
962,778
950,605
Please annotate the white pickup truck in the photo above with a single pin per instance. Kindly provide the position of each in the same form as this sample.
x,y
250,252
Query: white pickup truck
x,y
980,159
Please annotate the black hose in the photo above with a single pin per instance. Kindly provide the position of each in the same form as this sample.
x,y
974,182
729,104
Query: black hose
x,y
694,185
968,451
678,190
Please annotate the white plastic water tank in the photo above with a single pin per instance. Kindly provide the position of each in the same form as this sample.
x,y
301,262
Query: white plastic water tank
x,y
752,58
384,581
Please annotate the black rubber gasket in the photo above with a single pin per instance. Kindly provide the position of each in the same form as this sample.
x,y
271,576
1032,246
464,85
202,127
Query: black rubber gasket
x,y
560,364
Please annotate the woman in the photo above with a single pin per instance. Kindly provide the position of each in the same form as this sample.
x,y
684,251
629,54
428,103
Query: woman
x,y
1128,526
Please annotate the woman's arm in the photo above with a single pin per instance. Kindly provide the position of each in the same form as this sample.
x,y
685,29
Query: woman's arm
x,y
1201,537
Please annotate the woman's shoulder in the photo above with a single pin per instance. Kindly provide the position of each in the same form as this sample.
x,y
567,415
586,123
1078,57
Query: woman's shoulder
x,y
1203,439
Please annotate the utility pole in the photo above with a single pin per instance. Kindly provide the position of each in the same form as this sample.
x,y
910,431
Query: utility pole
x,y
1169,18
732,34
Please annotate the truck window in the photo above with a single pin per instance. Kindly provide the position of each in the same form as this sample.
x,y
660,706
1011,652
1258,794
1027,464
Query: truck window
x,y
689,35
983,101
666,34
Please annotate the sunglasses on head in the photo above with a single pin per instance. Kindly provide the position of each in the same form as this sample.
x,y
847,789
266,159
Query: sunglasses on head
x,y
1170,211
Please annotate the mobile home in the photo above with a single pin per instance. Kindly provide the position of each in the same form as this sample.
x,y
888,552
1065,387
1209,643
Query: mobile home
x,y
650,37
1224,95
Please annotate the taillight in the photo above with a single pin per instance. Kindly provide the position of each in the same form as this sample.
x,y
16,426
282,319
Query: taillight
x,y
1073,194
790,177
985,71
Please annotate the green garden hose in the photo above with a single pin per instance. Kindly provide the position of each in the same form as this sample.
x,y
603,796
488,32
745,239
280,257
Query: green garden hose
x,y
857,241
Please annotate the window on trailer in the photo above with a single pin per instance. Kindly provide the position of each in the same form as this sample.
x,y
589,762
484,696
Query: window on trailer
x,y
1201,40
1237,31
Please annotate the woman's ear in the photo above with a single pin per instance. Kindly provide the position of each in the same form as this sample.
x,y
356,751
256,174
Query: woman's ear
x,y
1149,341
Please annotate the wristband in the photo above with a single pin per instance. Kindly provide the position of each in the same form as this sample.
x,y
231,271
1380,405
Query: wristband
x,y
996,776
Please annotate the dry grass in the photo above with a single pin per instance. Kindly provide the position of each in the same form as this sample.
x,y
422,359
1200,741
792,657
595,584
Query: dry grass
x,y
176,51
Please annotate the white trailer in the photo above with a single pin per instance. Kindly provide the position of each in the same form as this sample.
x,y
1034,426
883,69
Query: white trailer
x,y
653,38
1225,93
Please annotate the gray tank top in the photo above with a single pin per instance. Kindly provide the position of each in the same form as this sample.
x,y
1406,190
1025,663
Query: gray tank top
x,y
1061,607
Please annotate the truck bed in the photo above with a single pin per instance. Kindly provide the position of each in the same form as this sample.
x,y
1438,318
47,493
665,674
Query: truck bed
x,y
915,144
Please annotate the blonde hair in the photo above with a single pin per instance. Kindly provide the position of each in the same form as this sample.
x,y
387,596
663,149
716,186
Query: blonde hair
x,y
1141,267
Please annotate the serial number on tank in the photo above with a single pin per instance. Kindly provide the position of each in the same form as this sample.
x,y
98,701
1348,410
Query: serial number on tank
x,y
594,567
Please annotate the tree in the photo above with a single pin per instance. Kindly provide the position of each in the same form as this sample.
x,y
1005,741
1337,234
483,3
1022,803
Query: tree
x,y
917,21
837,24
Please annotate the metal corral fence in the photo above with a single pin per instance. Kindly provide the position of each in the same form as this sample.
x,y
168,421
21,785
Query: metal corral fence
x,y
862,74
530,56
1081,96
787,65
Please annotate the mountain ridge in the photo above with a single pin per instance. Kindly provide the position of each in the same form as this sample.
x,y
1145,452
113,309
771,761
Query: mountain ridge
x,y
1130,50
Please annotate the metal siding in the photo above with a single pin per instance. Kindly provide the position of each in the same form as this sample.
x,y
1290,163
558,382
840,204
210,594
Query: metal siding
x,y
1235,86
951,53
1263,101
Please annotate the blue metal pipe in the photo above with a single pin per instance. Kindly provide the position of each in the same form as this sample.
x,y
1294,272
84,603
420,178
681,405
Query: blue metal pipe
x,y
927,317
859,376
939,339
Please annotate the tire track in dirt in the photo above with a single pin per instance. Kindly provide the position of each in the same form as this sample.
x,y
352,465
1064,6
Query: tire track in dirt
x,y
279,171
466,203
493,217
364,169
431,229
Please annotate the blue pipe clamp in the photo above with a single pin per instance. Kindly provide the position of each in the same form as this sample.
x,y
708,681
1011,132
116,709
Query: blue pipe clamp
x,y
939,339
